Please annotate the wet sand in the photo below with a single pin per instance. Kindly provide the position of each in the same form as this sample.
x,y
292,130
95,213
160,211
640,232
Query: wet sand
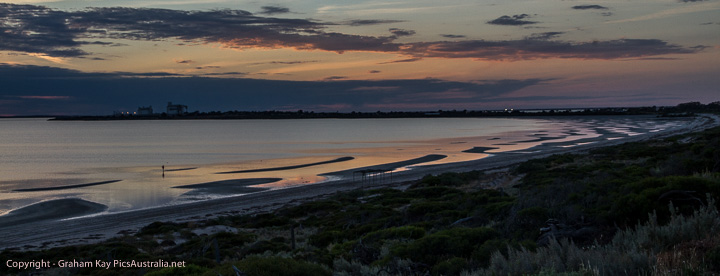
x,y
52,210
180,170
341,159
479,149
27,228
228,187
388,166
65,187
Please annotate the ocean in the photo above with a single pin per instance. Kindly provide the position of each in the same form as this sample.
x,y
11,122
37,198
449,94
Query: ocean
x,y
139,164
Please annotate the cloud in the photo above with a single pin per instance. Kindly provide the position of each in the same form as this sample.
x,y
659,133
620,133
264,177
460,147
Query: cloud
x,y
365,22
515,20
36,29
54,34
331,78
374,71
101,93
376,88
544,36
402,60
589,7
400,32
272,10
452,36
226,74
594,7
673,11
183,61
541,49
45,97
285,62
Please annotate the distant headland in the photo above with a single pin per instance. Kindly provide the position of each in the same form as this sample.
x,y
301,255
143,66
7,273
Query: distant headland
x,y
179,112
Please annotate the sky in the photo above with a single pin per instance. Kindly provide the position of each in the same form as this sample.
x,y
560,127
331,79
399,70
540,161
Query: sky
x,y
94,57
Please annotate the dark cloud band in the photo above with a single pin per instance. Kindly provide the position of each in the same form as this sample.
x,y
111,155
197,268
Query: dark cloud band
x,y
101,93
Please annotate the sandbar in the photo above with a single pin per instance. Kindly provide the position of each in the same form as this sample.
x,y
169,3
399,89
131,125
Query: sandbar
x,y
542,139
51,210
65,187
232,186
390,166
479,149
181,169
341,159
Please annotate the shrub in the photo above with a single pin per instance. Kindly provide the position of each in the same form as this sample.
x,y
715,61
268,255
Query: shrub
x,y
446,244
632,251
190,269
270,266
157,228
403,232
452,266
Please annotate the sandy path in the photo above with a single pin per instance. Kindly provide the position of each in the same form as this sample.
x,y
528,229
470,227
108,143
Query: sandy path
x,y
92,229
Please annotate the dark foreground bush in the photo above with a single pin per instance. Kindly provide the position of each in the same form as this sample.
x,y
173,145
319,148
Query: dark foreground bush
x,y
631,252
270,266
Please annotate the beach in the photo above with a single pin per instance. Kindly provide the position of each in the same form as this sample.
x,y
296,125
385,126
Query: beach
x,y
56,222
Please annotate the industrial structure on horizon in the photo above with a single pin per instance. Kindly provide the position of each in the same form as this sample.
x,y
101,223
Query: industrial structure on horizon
x,y
147,111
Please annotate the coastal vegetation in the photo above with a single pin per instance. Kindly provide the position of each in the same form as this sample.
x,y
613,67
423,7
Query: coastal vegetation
x,y
644,208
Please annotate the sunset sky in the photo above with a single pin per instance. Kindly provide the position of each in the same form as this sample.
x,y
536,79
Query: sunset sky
x,y
94,57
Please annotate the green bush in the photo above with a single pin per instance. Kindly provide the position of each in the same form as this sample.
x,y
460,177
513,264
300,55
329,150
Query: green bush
x,y
189,270
712,257
271,266
157,228
453,266
403,232
431,192
448,179
312,208
263,246
423,208
446,244
325,238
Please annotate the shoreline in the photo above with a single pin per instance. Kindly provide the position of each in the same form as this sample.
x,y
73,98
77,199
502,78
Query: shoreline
x,y
66,187
84,230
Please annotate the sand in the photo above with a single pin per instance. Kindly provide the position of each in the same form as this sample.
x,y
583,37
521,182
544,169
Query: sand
x,y
233,186
51,210
341,159
479,149
65,187
388,166
35,235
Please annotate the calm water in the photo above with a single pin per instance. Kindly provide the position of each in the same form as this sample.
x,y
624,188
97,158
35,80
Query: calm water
x,y
38,153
